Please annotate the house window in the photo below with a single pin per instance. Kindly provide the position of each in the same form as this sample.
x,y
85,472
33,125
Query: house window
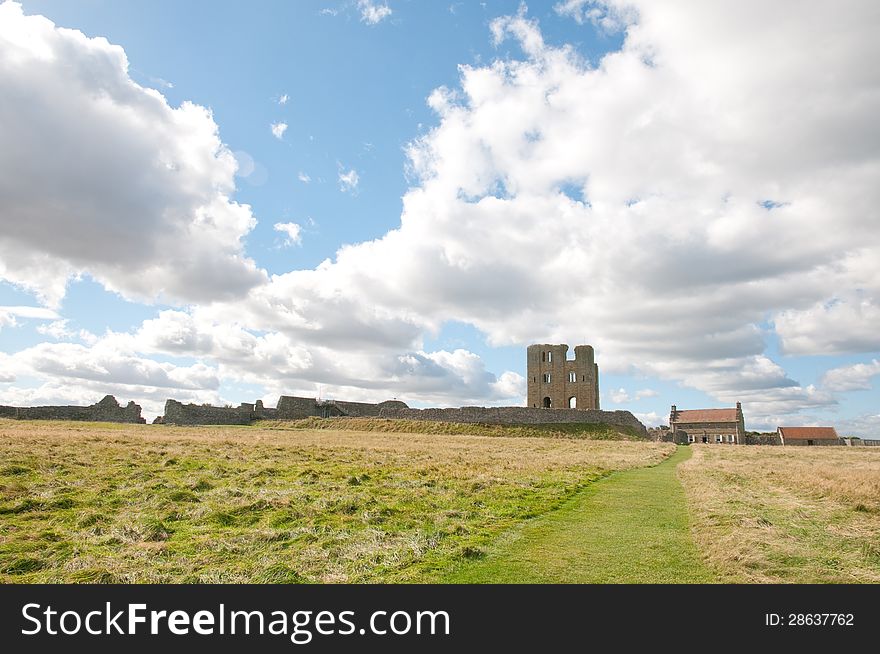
x,y
572,377
730,438
546,377
718,438
690,438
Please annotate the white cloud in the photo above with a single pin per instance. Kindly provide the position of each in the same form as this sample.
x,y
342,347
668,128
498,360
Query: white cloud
x,y
348,181
627,201
622,396
652,419
373,12
293,232
9,315
838,325
865,426
131,190
856,377
283,99
303,177
609,17
59,330
643,183
278,130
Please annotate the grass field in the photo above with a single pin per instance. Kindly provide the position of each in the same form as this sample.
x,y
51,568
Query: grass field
x,y
629,527
793,514
353,501
141,503
550,430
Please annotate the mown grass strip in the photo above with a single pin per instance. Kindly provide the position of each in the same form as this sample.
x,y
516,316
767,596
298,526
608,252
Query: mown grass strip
x,y
630,527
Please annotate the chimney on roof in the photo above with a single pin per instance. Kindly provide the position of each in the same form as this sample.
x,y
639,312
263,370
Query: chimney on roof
x,y
739,406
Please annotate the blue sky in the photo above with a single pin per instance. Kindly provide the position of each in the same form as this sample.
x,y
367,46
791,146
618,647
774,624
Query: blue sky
x,y
392,199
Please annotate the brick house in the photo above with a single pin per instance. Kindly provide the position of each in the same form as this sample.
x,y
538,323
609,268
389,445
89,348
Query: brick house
x,y
715,426
809,436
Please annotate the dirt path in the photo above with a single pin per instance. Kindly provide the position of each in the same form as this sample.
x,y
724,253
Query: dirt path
x,y
630,527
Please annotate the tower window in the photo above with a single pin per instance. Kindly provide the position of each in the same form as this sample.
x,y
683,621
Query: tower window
x,y
546,377
549,357
572,377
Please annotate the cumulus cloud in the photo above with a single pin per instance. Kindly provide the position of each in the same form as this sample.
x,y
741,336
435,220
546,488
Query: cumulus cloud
x,y
608,17
622,396
667,204
59,330
8,314
373,12
292,231
837,325
661,186
856,377
131,190
652,418
283,99
348,181
278,130
865,426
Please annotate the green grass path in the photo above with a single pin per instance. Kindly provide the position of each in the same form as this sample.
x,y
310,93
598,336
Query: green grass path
x,y
629,527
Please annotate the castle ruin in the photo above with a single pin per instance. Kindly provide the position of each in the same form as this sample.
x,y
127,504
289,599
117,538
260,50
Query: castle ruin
x,y
556,382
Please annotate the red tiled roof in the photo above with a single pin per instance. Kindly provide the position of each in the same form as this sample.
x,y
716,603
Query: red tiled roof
x,y
804,433
706,415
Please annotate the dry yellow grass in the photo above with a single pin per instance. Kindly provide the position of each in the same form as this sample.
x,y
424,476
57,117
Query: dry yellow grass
x,y
144,503
794,514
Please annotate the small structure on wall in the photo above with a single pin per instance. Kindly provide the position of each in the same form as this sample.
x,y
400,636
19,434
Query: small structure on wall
x,y
557,382
809,436
715,426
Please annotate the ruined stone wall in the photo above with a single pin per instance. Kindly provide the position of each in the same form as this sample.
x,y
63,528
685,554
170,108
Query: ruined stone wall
x,y
661,434
515,415
107,410
367,410
264,413
294,408
763,439
177,413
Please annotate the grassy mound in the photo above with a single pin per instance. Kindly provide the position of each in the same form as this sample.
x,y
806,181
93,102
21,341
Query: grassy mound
x,y
552,430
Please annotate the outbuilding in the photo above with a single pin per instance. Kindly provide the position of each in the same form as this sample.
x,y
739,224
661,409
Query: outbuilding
x,y
809,436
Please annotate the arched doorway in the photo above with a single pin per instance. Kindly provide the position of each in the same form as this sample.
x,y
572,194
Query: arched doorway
x,y
547,403
572,402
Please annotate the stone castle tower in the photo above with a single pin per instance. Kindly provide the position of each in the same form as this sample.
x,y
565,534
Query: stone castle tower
x,y
554,381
